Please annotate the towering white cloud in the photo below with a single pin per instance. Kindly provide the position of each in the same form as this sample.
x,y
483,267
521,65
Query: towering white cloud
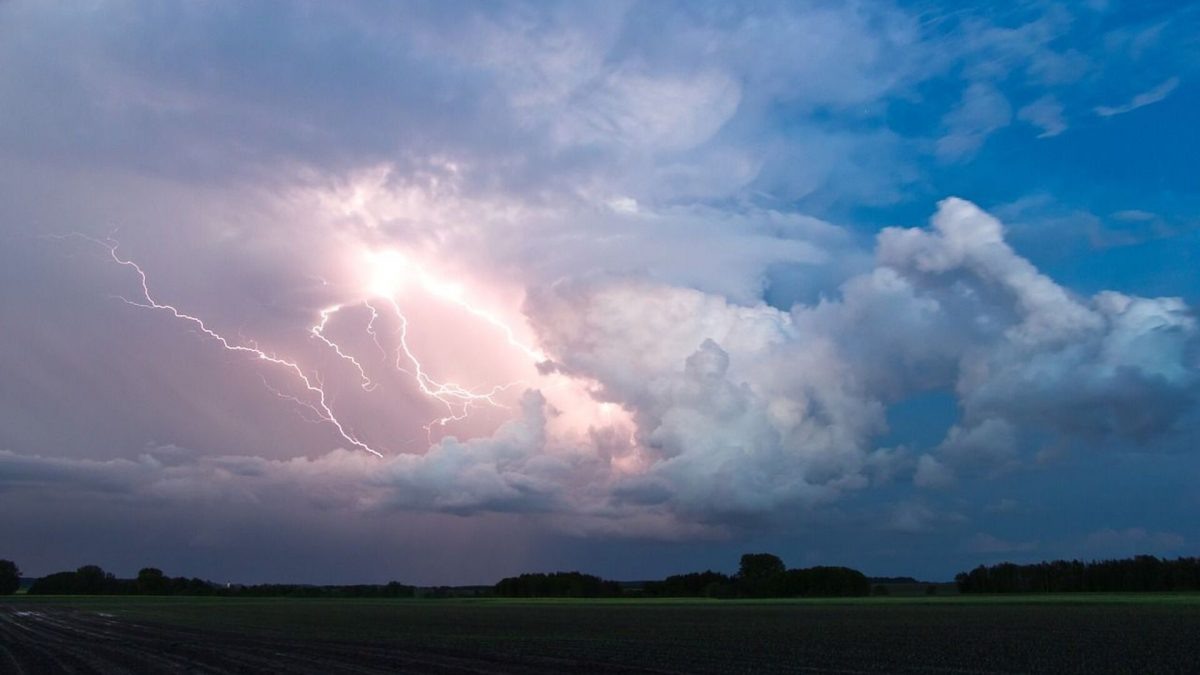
x,y
744,408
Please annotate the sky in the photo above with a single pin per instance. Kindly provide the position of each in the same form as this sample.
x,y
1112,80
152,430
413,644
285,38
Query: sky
x,y
444,292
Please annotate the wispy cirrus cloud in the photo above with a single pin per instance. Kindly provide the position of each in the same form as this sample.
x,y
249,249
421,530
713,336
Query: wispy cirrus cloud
x,y
1148,97
1046,114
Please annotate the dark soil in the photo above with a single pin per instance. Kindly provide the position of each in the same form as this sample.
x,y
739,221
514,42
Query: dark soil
x,y
415,637
65,640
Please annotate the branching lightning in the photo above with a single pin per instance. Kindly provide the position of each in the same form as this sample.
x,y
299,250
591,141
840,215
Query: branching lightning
x,y
320,404
458,399
389,270
371,328
318,331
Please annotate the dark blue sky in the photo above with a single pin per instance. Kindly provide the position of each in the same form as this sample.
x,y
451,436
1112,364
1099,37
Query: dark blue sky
x,y
442,292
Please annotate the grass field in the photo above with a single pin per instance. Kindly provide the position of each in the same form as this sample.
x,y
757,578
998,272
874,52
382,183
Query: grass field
x,y
1044,633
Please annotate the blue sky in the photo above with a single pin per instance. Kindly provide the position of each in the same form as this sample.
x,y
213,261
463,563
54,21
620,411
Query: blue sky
x,y
626,287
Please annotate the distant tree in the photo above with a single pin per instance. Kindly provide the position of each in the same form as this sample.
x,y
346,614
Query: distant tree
x,y
695,584
558,584
152,581
880,590
760,566
965,583
91,580
59,583
822,581
759,574
931,590
10,577
395,589
87,580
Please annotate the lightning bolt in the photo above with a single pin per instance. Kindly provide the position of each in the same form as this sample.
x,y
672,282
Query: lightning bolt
x,y
457,399
454,296
371,328
319,405
389,269
318,331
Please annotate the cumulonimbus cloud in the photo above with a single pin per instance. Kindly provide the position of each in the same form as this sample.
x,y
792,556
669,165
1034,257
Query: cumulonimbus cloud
x,y
634,187
738,410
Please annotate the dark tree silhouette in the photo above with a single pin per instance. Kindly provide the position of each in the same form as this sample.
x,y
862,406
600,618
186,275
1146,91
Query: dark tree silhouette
x,y
821,581
1140,573
152,581
92,580
695,585
763,575
59,583
759,574
556,585
760,566
10,577
87,580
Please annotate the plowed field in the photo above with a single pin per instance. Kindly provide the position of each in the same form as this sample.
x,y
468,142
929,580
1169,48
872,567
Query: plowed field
x,y
225,635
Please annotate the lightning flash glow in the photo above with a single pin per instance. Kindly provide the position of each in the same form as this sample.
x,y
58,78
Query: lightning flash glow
x,y
388,273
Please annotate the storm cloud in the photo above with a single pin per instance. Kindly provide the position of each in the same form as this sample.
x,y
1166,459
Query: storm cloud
x,y
705,262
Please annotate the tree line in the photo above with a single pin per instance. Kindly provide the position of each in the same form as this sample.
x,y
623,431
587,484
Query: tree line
x,y
93,580
1138,574
760,575
556,585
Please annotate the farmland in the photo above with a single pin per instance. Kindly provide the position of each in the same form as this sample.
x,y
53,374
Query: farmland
x,y
1090,633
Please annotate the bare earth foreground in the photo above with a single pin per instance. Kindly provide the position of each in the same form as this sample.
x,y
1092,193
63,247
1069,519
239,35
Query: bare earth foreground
x,y
1133,634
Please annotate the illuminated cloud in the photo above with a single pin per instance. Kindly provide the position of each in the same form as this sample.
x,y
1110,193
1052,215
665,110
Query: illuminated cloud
x,y
615,275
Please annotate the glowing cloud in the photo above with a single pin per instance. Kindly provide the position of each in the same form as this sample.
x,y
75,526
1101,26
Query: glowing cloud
x,y
390,274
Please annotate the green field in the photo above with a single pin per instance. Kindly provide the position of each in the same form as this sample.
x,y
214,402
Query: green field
x,y
1034,633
